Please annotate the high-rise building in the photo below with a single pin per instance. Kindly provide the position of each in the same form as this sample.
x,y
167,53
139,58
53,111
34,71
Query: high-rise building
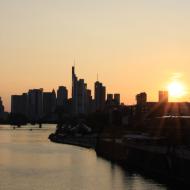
x,y
89,101
19,104
117,99
62,96
141,98
53,100
79,94
109,97
35,104
49,103
74,92
110,100
99,95
142,106
1,107
163,96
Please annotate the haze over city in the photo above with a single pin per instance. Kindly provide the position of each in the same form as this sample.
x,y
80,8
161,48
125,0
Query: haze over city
x,y
135,45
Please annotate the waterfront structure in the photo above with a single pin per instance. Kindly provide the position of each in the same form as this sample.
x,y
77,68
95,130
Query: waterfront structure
x,y
99,95
163,96
19,104
62,96
35,104
49,103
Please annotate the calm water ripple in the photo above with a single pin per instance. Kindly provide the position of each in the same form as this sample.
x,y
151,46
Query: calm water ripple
x,y
29,161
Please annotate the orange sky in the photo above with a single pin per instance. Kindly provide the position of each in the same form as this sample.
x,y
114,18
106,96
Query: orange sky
x,y
135,46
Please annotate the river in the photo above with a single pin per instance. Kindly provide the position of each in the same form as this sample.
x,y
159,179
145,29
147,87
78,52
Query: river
x,y
29,161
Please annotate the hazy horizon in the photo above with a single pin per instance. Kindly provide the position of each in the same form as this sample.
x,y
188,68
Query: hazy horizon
x,y
135,46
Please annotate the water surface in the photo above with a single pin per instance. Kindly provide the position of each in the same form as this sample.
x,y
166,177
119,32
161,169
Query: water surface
x,y
29,161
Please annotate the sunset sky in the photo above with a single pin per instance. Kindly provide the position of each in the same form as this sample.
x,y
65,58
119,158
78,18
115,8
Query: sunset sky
x,y
134,45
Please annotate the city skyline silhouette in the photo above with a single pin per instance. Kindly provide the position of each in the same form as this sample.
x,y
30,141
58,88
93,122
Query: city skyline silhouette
x,y
171,96
134,46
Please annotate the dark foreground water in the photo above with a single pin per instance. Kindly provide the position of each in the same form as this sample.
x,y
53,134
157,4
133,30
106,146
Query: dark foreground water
x,y
29,161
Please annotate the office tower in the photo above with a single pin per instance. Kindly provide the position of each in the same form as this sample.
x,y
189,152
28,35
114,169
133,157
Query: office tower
x,y
62,96
19,104
99,95
79,94
110,100
35,104
163,96
109,97
74,92
1,107
117,99
141,98
49,103
142,105
89,101
53,100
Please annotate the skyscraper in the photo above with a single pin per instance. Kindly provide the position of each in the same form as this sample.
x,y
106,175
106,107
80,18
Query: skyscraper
x,y
74,92
79,94
35,104
142,106
49,103
141,98
1,107
110,100
117,99
89,101
53,100
99,95
19,104
62,96
109,97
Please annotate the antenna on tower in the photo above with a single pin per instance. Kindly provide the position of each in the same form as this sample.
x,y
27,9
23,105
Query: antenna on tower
x,y
97,77
74,62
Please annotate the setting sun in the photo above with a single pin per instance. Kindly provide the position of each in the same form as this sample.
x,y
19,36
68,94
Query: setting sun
x,y
176,89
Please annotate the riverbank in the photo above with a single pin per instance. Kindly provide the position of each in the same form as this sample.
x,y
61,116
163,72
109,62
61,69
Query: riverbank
x,y
88,141
155,160
163,153
152,159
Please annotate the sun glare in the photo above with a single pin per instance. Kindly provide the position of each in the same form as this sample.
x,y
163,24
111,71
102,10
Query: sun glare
x,y
176,89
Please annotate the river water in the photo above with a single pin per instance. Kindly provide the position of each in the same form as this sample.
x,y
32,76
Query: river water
x,y
29,161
